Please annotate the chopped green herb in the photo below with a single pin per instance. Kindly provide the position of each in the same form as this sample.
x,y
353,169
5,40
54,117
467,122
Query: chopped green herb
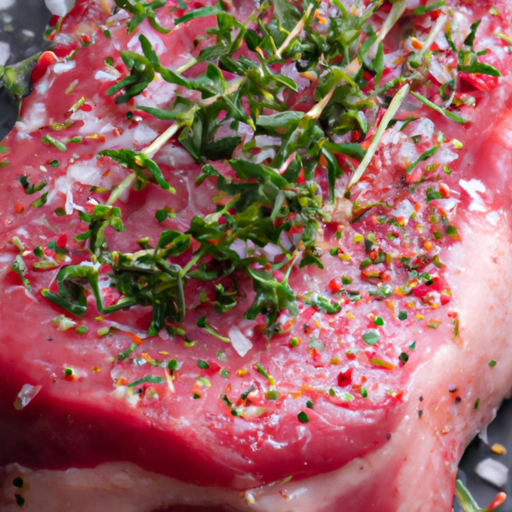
x,y
421,158
204,324
142,10
303,417
103,331
28,187
234,411
324,305
50,140
246,393
452,231
18,482
148,379
38,203
203,364
371,338
124,355
404,357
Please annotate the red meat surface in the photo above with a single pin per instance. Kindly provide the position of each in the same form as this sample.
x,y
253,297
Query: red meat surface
x,y
396,382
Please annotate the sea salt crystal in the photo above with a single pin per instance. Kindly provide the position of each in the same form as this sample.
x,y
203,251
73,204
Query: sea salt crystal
x,y
492,471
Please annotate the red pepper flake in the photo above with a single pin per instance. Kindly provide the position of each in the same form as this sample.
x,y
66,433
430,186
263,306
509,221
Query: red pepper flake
x,y
496,502
62,241
69,374
286,327
350,355
444,299
47,59
54,20
315,355
481,82
421,290
134,337
345,378
455,320
445,190
19,208
335,285
416,43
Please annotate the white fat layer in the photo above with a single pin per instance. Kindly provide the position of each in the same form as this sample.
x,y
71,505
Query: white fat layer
x,y
44,83
84,172
63,67
34,118
474,188
87,173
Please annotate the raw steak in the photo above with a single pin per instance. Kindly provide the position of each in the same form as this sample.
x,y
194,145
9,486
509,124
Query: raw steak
x,y
362,399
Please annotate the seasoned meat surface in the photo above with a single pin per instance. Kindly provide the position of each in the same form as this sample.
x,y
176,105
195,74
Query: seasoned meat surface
x,y
238,324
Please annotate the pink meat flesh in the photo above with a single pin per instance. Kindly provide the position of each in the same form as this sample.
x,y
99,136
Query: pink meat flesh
x,y
395,449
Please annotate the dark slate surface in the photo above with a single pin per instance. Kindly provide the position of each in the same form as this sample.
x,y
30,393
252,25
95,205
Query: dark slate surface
x,y
32,15
21,26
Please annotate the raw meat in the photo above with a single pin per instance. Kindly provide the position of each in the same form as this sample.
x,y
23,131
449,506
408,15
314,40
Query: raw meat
x,y
366,398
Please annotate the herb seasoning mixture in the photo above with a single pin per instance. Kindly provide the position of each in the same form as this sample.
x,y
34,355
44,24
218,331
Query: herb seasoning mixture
x,y
240,213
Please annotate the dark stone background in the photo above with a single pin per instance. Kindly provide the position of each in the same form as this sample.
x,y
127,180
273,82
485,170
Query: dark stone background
x,y
25,15
32,15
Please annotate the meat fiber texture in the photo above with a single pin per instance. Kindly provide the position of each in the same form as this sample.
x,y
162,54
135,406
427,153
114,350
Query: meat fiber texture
x,y
390,419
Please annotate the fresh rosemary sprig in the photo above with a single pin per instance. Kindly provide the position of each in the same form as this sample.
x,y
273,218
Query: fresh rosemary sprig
x,y
338,64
